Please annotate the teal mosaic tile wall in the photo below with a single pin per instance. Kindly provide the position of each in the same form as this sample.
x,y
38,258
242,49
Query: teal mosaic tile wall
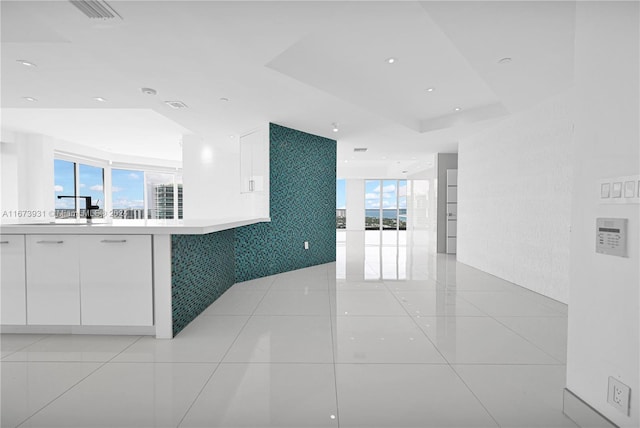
x,y
303,208
202,268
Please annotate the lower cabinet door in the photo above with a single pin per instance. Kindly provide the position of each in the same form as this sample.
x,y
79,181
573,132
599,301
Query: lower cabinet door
x,y
53,283
12,280
116,280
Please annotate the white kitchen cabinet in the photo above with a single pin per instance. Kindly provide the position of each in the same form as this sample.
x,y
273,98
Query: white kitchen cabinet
x,y
12,280
254,161
53,280
116,280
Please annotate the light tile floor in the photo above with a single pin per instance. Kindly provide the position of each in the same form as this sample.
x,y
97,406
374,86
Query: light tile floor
x,y
388,336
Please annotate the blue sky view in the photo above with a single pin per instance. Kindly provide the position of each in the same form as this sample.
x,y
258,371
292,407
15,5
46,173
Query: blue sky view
x,y
127,185
128,188
392,191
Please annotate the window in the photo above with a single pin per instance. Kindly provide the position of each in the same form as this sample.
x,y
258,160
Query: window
x,y
372,204
341,204
127,190
91,183
385,205
72,181
126,194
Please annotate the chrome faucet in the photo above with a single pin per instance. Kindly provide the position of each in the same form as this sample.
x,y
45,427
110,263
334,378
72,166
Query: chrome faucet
x,y
88,204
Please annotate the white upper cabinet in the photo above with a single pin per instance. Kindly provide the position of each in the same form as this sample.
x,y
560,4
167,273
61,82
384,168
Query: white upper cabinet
x,y
254,161
12,280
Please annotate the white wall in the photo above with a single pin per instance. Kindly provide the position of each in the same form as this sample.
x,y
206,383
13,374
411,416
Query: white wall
x,y
514,196
28,177
604,320
422,208
355,204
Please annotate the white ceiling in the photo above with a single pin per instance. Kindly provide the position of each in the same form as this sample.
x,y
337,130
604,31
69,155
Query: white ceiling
x,y
300,64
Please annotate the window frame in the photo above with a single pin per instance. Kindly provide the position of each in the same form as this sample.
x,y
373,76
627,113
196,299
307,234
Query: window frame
x,y
107,167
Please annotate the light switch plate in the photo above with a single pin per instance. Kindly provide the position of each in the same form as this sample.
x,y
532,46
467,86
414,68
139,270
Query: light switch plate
x,y
619,395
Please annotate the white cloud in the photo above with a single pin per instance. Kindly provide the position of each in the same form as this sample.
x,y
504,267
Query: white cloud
x,y
96,187
133,176
83,185
372,196
115,189
58,188
387,188
402,191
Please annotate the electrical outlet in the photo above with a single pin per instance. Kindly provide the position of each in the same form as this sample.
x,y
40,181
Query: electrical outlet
x,y
306,245
619,395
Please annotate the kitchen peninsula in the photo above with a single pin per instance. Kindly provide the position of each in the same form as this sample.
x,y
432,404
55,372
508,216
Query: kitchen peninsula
x,y
112,278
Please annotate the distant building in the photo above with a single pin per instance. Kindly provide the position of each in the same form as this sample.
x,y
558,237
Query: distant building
x,y
163,201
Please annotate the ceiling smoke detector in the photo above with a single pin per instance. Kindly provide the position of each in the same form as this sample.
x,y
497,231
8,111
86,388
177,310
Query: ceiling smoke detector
x,y
96,9
176,104
360,149
148,91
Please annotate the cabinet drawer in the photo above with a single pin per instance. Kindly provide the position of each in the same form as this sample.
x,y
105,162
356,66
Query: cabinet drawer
x,y
53,283
12,280
116,280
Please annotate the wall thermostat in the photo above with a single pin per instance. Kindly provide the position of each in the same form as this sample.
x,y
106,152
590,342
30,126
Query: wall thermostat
x,y
611,236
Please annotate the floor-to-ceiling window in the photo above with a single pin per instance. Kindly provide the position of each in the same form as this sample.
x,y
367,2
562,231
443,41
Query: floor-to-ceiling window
x,y
385,205
341,204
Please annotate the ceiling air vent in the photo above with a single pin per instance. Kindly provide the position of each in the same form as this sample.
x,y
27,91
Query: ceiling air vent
x,y
176,104
360,149
96,9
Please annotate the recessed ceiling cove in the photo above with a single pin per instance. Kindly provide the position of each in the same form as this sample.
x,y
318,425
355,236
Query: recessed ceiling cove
x,y
349,60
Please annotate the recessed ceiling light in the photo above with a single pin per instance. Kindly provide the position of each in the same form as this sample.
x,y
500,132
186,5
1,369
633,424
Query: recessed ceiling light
x,y
30,99
26,63
102,100
457,109
391,60
505,60
346,161
405,171
223,99
148,91
430,89
334,127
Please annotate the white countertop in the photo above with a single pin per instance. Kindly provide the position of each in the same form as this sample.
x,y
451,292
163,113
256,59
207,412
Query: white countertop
x,y
131,227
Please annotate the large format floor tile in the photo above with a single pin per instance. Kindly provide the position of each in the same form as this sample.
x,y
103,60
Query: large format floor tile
x,y
10,343
206,339
548,333
294,302
481,340
382,340
372,303
127,395
29,386
520,396
236,301
406,395
73,348
290,339
509,304
437,303
266,395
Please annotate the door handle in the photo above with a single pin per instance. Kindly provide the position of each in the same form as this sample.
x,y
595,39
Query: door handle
x,y
49,242
114,241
